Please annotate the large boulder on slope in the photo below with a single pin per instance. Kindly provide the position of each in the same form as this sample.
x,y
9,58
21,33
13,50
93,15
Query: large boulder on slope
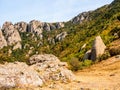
x,y
98,48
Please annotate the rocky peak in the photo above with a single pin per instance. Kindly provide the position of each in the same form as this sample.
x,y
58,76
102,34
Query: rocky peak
x,y
11,34
21,26
85,16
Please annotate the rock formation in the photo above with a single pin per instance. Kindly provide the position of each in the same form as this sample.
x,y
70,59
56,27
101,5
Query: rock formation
x,y
85,16
18,75
42,69
87,55
11,34
51,68
61,36
21,26
98,48
2,40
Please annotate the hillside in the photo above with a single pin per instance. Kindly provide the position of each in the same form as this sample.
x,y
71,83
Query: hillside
x,y
41,55
63,39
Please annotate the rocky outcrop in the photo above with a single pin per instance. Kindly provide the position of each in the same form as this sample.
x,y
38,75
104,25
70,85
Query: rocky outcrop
x,y
2,40
37,27
98,48
18,75
11,34
21,26
43,69
50,68
59,25
61,36
85,16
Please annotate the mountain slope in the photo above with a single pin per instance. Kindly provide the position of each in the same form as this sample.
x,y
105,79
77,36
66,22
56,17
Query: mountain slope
x,y
65,39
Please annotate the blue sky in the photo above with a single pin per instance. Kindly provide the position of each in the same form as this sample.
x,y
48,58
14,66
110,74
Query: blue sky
x,y
45,10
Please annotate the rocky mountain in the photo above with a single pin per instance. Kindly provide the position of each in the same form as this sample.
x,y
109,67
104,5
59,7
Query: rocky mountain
x,y
64,39
82,17
29,52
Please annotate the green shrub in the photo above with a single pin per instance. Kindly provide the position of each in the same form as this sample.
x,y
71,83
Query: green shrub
x,y
87,63
114,51
106,55
75,64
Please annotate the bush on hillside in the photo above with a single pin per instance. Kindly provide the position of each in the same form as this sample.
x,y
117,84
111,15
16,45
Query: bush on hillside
x,y
87,63
106,55
75,64
114,51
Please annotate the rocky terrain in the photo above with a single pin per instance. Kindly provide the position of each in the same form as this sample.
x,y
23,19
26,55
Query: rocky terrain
x,y
43,69
41,56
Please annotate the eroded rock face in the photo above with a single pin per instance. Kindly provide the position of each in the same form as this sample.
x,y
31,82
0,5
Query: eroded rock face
x,y
18,75
98,48
2,40
61,36
50,68
21,26
59,25
11,34
85,16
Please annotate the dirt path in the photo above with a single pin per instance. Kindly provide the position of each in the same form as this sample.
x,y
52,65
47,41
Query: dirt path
x,y
101,76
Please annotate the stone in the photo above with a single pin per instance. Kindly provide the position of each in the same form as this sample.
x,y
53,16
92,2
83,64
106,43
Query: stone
x,y
2,40
59,25
21,26
16,46
18,75
85,16
83,46
52,27
11,34
61,36
87,55
50,68
36,27
98,48
46,27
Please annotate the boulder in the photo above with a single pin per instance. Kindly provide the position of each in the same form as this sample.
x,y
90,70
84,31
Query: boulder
x,y
61,36
18,75
17,45
59,25
46,27
2,40
11,33
50,68
87,55
98,48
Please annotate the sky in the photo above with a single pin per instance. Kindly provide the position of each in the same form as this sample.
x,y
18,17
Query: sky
x,y
45,10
